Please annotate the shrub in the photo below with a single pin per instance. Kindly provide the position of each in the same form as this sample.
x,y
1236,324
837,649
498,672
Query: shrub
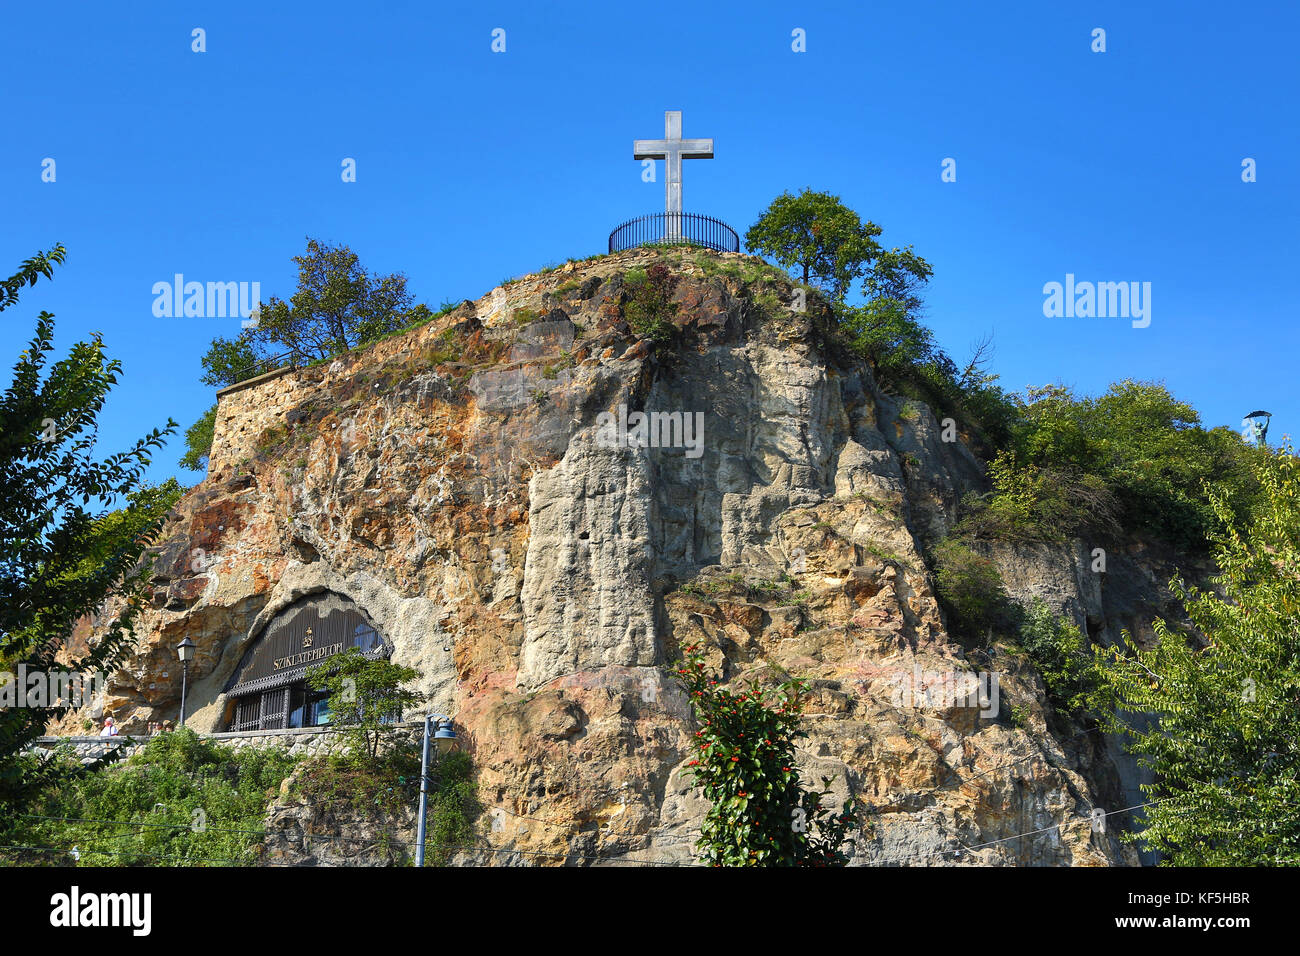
x,y
970,589
759,812
1059,652
179,801
648,306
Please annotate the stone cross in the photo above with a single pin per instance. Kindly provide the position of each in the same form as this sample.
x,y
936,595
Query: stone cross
x,y
672,149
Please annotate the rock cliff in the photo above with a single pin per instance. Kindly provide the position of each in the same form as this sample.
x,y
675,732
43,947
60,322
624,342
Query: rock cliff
x,y
455,484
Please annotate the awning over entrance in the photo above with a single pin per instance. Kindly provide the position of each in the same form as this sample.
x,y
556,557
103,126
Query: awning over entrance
x,y
269,687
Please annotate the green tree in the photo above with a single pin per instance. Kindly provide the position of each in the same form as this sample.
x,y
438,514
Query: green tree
x,y
229,361
366,695
1225,743
198,441
339,305
759,813
1134,457
816,236
825,242
59,556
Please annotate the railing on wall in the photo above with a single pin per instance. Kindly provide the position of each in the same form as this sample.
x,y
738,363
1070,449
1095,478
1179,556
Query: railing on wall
x,y
673,229
292,359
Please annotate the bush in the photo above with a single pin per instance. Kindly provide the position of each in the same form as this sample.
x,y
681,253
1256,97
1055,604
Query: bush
x,y
648,306
1041,504
179,801
1059,652
970,590
1134,458
759,812
453,808
355,782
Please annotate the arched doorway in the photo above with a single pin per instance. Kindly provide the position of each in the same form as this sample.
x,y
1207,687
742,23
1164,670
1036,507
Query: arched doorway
x,y
268,690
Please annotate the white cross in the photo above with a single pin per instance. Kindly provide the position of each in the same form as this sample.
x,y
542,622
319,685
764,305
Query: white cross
x,y
673,149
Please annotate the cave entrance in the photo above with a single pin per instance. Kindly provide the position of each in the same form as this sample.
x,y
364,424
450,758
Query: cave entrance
x,y
268,690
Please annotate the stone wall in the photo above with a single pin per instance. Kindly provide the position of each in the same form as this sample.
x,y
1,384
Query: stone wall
x,y
299,742
243,415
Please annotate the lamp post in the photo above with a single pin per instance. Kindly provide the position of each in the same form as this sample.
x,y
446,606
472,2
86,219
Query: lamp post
x,y
445,738
185,651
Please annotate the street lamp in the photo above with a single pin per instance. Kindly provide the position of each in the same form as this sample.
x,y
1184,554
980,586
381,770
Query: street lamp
x,y
445,739
185,651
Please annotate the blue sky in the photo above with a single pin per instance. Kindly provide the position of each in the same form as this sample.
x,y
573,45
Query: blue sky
x,y
474,166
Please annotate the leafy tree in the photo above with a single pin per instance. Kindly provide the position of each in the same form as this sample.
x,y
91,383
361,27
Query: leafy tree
x,y
229,361
146,507
198,441
759,814
1225,744
338,306
897,345
60,558
816,236
366,695
1134,457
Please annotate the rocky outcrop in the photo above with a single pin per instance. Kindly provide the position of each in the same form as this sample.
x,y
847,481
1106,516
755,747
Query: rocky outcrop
x,y
455,483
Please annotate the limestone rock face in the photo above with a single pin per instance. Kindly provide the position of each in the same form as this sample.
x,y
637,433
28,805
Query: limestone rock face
x,y
458,484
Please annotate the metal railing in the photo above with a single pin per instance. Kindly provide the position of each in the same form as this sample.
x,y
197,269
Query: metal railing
x,y
294,359
674,229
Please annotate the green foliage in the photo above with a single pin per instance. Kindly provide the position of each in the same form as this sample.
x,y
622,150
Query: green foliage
x,y
1042,504
648,305
146,507
229,361
1059,652
827,243
339,305
816,236
60,555
453,808
1223,743
1135,457
970,590
366,695
354,782
759,813
390,784
179,801
198,441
